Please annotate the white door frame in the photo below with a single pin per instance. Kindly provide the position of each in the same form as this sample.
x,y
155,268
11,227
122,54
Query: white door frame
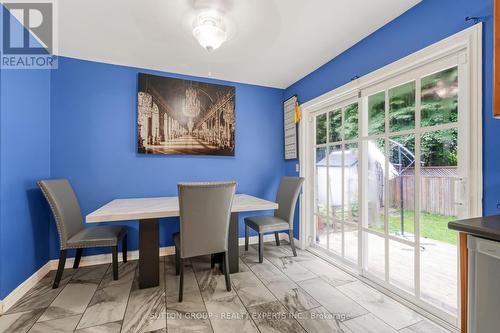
x,y
467,43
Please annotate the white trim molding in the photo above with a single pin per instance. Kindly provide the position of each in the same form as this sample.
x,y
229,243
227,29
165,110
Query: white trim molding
x,y
464,50
468,41
347,269
24,287
99,259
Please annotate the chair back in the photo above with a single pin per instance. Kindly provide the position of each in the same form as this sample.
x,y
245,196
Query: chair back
x,y
205,211
65,208
286,198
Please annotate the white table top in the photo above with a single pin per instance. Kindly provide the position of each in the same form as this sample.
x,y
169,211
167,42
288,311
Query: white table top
x,y
148,208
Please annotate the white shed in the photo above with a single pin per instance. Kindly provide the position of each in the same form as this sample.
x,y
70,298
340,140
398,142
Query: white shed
x,y
334,165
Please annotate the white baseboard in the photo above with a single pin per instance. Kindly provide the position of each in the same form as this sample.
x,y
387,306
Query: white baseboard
x,y
98,259
24,287
255,239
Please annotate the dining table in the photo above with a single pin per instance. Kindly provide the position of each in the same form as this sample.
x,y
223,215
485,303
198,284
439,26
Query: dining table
x,y
148,212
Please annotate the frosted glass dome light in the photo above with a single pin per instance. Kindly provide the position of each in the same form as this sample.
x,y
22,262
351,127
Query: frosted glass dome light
x,y
209,31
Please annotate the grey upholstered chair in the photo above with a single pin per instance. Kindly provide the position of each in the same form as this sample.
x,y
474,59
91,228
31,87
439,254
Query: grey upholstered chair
x,y
282,219
72,233
205,210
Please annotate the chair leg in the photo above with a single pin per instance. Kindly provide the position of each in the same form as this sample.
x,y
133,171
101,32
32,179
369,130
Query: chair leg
x,y
246,236
226,271
177,261
124,248
277,238
115,261
60,268
78,256
292,243
261,248
181,281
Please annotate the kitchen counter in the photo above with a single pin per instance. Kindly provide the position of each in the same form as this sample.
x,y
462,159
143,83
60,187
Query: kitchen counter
x,y
486,227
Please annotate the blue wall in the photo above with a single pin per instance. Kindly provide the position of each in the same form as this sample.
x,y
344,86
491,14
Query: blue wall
x,y
93,142
424,24
24,157
79,122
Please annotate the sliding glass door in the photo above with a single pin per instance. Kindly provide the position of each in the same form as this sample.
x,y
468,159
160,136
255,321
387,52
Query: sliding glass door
x,y
336,177
390,169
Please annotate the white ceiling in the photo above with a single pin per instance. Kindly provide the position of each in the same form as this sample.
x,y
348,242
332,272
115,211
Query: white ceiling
x,y
272,42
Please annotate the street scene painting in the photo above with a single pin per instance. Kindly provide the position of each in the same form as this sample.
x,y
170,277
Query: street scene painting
x,y
184,117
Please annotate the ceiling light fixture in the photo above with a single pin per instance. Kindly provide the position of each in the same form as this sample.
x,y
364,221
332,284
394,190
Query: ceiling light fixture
x,y
209,30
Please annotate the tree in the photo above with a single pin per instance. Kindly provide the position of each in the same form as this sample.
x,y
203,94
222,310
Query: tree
x,y
439,105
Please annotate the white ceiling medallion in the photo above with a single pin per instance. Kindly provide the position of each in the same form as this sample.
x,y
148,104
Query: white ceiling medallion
x,y
209,30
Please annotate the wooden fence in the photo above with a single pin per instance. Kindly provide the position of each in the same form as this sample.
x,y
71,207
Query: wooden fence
x,y
438,186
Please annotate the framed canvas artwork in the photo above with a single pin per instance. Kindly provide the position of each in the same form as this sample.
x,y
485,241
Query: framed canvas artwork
x,y
185,117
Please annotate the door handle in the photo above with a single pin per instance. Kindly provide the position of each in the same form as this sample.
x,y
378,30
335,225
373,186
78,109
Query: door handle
x,y
459,191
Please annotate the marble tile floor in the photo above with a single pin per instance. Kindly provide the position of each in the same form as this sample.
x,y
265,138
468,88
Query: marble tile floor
x,y
283,294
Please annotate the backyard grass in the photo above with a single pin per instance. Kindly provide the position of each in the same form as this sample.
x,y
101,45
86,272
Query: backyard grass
x,y
433,226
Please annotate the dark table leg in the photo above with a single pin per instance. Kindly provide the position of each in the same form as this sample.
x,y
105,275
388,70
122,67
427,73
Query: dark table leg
x,y
233,245
149,253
